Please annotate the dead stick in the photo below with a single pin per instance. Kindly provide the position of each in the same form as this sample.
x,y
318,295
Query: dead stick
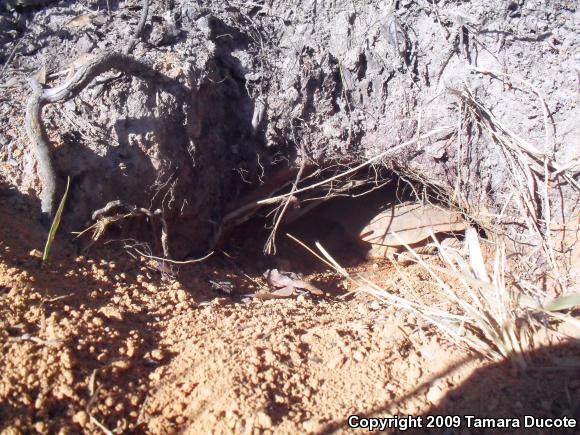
x,y
132,42
152,257
270,247
139,29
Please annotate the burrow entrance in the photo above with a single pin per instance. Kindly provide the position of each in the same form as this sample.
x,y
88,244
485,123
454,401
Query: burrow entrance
x,y
368,218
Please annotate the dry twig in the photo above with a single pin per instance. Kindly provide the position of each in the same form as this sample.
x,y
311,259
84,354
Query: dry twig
x,y
367,162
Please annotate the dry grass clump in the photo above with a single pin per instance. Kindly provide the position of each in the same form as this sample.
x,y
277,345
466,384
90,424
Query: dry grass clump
x,y
480,311
483,311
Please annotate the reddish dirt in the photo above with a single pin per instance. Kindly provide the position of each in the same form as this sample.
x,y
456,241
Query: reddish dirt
x,y
106,342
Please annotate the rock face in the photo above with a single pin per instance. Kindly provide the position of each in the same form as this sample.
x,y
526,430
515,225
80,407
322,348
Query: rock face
x,y
337,80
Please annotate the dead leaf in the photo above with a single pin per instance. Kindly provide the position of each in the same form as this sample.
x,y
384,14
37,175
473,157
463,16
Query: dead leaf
x,y
277,279
284,292
81,21
285,279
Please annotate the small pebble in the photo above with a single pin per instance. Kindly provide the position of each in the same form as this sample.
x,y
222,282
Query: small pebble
x,y
97,321
336,362
312,426
358,356
181,295
157,355
264,420
363,309
81,418
121,364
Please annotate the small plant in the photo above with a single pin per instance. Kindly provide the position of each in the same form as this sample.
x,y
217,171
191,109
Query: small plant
x,y
55,224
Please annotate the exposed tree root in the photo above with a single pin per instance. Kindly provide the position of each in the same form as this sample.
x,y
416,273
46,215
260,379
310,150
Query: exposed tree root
x,y
68,90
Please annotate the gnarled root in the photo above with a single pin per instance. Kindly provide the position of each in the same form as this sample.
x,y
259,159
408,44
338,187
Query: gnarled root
x,y
68,90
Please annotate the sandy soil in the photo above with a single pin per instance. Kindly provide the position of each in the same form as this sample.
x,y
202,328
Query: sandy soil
x,y
105,342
